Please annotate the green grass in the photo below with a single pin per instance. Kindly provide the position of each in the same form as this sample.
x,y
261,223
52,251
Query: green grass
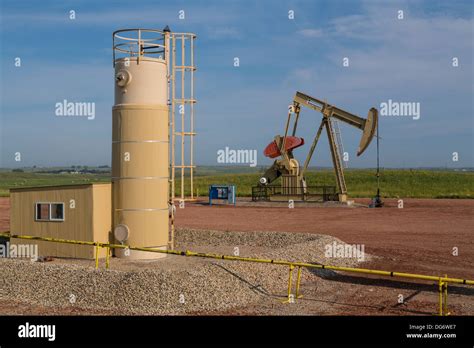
x,y
360,183
15,180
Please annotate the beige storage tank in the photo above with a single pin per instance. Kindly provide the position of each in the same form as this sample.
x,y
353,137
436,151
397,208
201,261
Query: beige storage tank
x,y
140,162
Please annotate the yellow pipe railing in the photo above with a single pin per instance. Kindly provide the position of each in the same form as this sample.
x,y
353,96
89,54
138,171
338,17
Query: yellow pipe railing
x,y
442,281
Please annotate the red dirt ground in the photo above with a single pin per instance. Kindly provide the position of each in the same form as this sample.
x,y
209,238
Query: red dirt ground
x,y
418,238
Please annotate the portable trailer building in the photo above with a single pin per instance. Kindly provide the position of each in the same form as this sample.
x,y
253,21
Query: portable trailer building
x,y
76,212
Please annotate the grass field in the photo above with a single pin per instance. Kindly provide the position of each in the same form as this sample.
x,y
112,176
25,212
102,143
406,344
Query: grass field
x,y
15,180
360,183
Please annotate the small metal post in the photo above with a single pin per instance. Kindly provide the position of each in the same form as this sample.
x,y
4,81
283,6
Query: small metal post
x,y
107,257
171,246
440,288
290,273
445,310
298,281
97,255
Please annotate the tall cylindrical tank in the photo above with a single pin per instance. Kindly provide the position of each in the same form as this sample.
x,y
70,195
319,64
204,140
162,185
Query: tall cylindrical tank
x,y
140,162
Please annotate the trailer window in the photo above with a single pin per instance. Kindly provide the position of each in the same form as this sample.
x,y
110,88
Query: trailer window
x,y
57,211
49,212
42,211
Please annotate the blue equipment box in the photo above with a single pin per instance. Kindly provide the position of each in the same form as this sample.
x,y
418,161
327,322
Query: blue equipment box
x,y
223,192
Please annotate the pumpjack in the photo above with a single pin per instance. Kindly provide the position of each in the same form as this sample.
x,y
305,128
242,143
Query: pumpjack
x,y
287,166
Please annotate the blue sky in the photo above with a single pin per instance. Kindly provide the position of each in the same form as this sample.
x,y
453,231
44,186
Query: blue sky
x,y
407,60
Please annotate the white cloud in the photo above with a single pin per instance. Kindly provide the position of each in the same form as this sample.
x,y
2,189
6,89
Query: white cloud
x,y
311,33
391,57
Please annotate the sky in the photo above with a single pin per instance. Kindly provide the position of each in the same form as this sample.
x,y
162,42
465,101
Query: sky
x,y
405,60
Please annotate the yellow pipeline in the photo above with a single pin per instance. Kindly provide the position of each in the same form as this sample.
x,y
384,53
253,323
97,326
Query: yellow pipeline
x,y
251,259
49,239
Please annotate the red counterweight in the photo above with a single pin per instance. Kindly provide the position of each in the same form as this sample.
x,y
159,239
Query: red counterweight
x,y
272,150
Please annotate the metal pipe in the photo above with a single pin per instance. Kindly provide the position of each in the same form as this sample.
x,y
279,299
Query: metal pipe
x,y
191,161
297,116
446,299
440,288
282,145
313,146
97,255
290,278
107,257
173,117
298,281
183,103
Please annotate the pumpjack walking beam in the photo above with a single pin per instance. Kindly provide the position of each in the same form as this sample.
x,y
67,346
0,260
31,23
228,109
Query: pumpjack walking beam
x,y
368,125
